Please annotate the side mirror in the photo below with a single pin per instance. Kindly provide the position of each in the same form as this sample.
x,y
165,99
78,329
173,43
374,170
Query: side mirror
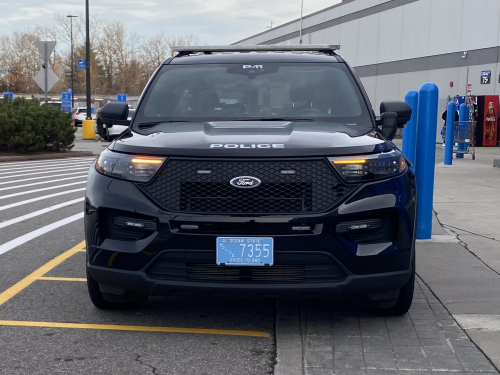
x,y
389,122
114,114
402,110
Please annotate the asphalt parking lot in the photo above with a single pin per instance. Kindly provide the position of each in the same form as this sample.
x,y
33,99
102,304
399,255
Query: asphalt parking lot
x,y
49,326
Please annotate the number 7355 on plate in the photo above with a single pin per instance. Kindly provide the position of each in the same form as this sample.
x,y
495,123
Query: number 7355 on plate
x,y
245,251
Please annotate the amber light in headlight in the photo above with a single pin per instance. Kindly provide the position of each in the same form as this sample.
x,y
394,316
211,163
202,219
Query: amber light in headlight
x,y
146,161
370,167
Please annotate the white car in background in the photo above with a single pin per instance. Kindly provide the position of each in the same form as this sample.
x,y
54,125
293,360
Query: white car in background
x,y
115,130
80,114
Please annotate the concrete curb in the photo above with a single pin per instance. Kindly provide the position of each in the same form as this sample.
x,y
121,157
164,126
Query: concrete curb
x,y
73,154
289,350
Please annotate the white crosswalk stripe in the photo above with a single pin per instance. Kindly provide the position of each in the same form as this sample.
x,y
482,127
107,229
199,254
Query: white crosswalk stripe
x,y
37,173
27,201
44,162
37,233
39,212
43,182
42,189
30,169
21,218
41,178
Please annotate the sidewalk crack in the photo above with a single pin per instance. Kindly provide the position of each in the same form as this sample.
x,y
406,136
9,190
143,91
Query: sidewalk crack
x,y
153,369
464,244
464,230
466,247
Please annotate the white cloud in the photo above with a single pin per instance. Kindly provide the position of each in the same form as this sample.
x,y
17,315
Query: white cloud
x,y
213,21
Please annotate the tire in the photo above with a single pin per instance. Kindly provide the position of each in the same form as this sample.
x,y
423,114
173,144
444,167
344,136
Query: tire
x,y
405,299
97,297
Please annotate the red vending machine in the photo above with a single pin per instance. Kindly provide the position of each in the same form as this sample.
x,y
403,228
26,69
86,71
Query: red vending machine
x,y
487,120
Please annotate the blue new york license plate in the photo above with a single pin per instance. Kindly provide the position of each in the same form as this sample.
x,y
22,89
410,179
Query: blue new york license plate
x,y
245,251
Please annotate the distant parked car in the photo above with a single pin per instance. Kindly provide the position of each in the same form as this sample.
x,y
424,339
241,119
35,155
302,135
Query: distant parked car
x,y
52,103
80,114
108,132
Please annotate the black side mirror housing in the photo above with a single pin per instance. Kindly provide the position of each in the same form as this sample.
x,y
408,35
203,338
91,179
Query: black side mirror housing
x,y
114,114
389,122
402,110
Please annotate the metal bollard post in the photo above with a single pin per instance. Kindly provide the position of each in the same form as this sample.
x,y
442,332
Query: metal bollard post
x,y
450,132
426,156
463,115
410,131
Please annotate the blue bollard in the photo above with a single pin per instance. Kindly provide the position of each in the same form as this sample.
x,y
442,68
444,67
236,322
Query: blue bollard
x,y
463,115
410,131
450,132
426,157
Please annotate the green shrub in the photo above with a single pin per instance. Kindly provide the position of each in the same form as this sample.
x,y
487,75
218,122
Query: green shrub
x,y
25,125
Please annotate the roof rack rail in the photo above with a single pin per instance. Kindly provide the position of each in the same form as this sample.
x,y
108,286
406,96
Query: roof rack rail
x,y
326,48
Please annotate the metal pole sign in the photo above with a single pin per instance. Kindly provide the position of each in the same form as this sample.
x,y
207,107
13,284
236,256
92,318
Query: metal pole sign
x,y
45,78
66,102
82,64
121,98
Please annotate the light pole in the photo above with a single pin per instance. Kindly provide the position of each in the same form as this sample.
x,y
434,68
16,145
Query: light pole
x,y
72,76
87,58
301,12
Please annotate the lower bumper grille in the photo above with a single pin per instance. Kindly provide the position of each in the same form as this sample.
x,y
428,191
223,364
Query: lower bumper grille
x,y
288,268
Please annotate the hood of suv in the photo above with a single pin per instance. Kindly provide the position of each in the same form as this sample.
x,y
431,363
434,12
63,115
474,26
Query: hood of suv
x,y
251,139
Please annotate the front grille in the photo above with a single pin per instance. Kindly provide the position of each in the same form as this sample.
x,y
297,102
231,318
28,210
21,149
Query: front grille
x,y
314,187
212,272
288,268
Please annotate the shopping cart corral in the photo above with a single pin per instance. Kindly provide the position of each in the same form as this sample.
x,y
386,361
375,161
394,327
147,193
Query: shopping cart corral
x,y
464,137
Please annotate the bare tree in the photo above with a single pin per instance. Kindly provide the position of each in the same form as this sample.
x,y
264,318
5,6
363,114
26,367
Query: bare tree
x,y
186,40
120,61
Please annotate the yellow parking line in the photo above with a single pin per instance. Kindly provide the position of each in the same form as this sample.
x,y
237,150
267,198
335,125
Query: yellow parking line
x,y
28,280
62,278
113,327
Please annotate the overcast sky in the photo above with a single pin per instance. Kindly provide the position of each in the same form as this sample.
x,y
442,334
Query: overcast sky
x,y
213,21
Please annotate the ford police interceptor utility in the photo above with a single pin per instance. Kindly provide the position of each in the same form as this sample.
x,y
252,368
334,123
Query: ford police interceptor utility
x,y
256,170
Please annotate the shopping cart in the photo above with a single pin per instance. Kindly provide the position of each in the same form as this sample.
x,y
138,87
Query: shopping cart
x,y
464,133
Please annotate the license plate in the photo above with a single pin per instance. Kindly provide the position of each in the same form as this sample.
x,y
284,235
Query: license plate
x,y
245,251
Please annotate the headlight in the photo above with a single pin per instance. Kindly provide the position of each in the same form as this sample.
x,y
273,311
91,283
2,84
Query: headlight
x,y
370,167
128,167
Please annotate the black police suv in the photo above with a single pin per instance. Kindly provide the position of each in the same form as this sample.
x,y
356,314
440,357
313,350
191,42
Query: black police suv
x,y
253,169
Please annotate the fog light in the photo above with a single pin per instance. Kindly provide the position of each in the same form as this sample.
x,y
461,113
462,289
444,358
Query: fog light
x,y
301,228
135,225
189,226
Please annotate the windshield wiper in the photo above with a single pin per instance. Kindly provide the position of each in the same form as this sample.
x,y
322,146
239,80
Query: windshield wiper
x,y
146,125
294,119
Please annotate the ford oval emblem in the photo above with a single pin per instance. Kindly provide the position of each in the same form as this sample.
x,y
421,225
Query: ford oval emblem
x,y
245,182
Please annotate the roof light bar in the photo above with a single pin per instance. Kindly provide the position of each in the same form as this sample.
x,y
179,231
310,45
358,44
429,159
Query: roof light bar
x,y
259,48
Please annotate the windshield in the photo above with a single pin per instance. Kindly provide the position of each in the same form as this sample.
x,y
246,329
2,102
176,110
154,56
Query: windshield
x,y
272,91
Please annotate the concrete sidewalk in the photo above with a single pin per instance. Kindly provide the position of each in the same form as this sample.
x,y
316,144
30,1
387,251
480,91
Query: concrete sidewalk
x,y
94,146
461,263
456,304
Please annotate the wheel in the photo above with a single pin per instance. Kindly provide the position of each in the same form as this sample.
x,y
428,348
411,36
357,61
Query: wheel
x,y
404,300
98,298
473,156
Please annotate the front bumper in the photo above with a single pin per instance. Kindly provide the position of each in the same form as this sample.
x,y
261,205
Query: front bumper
x,y
317,262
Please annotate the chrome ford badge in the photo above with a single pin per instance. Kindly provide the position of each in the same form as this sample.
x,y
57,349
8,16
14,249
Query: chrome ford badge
x,y
245,182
